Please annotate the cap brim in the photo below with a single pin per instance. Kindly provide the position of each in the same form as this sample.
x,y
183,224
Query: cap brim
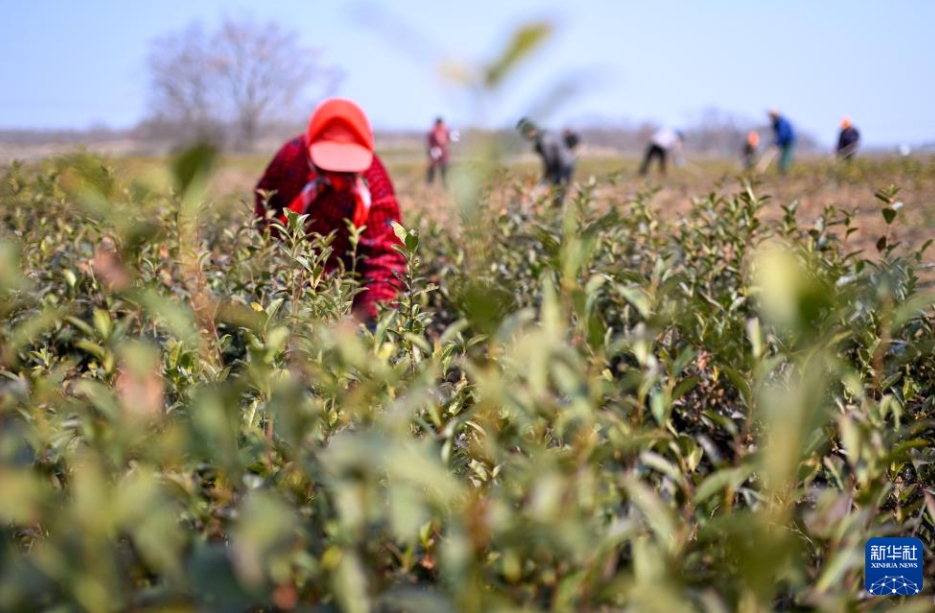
x,y
341,157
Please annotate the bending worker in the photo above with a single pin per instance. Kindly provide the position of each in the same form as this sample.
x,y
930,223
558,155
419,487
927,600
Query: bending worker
x,y
664,142
332,174
784,139
558,160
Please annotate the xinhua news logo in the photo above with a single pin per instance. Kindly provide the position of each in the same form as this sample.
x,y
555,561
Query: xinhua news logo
x,y
893,566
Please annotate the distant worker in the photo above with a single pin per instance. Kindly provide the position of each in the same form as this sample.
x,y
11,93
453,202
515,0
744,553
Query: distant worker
x,y
331,174
848,140
751,149
664,142
439,141
572,139
558,159
784,139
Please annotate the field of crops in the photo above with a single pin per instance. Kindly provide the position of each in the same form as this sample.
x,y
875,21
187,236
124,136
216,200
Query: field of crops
x,y
704,396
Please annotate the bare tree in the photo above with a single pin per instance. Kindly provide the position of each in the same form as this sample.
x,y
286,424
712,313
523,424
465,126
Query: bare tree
x,y
261,68
183,86
240,75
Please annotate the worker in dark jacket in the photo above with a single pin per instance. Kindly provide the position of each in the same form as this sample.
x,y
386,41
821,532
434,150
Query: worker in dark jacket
x,y
848,140
751,149
784,139
558,160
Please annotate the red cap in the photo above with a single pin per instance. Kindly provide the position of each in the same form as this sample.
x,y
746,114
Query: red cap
x,y
339,137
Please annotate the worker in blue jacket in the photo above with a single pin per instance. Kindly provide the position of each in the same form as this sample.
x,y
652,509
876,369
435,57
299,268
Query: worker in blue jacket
x,y
784,139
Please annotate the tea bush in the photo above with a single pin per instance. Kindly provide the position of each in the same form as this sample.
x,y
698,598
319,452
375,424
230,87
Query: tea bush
x,y
570,409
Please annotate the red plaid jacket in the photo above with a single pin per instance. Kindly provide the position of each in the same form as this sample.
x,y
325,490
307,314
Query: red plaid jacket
x,y
378,263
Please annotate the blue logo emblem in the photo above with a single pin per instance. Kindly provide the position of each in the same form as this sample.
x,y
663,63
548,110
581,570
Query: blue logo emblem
x,y
893,566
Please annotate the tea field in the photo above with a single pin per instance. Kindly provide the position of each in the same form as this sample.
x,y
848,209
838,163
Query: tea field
x,y
699,394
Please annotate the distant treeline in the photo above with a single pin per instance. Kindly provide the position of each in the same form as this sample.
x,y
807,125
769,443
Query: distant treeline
x,y
155,136
65,137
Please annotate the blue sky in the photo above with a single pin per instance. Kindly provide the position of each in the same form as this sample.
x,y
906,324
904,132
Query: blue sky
x,y
74,64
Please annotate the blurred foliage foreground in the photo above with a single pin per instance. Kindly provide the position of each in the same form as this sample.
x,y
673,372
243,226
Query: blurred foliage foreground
x,y
567,411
